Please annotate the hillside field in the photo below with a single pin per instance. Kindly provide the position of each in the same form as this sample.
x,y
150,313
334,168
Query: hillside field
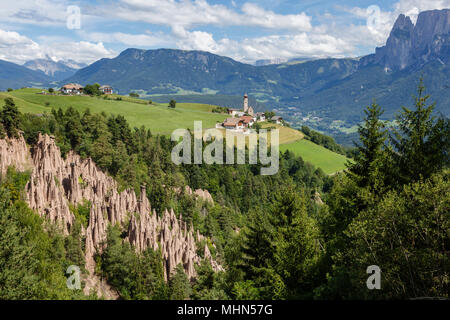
x,y
158,117
329,161
163,120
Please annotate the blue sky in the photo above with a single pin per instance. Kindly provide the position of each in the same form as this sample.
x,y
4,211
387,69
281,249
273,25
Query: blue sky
x,y
244,30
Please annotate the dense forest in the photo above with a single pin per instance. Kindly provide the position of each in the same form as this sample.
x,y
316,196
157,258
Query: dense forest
x,y
299,234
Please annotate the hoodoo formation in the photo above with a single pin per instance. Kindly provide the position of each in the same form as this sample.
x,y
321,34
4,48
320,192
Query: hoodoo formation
x,y
57,182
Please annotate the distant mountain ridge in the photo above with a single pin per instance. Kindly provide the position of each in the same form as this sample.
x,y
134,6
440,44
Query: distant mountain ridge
x,y
331,88
15,76
58,70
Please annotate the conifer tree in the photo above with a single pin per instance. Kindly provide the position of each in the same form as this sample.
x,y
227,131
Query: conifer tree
x,y
421,143
367,169
10,118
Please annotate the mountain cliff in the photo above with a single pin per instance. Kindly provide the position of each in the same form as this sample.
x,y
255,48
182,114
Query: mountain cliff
x,y
414,45
57,183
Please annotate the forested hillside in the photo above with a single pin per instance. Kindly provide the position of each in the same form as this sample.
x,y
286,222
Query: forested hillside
x,y
298,234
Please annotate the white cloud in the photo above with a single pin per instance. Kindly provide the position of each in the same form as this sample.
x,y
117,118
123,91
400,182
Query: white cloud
x,y
386,19
81,52
39,12
412,8
288,35
138,40
268,47
17,48
188,14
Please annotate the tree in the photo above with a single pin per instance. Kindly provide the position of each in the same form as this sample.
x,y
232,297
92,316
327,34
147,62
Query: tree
x,y
179,286
135,276
134,95
51,90
367,170
406,235
10,118
421,143
208,283
257,126
269,115
172,104
92,89
10,90
33,258
281,250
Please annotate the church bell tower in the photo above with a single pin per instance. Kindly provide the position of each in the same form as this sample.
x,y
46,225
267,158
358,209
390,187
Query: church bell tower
x,y
245,103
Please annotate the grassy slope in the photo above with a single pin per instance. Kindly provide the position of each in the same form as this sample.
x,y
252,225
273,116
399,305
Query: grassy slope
x,y
293,140
157,117
163,120
329,161
287,135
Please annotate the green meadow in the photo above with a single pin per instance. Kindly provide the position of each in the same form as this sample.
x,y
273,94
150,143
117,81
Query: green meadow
x,y
158,117
329,161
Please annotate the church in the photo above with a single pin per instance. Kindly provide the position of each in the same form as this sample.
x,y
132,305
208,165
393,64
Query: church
x,y
247,108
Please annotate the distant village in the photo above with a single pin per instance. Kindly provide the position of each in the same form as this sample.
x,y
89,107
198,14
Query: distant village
x,y
243,120
77,89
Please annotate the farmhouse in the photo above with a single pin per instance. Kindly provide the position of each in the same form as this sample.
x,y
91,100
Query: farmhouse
x,y
105,89
233,112
247,121
260,116
72,88
276,119
233,123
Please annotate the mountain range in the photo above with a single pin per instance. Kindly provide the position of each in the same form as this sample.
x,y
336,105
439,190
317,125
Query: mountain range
x,y
57,70
325,89
16,76
333,89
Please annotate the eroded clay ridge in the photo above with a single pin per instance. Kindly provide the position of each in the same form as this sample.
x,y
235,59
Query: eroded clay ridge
x,y
57,182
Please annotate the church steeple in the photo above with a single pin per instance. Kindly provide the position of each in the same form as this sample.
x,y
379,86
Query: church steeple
x,y
245,103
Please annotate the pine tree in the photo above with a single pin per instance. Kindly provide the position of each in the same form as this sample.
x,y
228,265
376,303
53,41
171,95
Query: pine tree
x,y
367,169
179,286
421,143
10,118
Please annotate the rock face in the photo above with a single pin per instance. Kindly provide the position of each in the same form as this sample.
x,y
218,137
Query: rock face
x,y
14,152
396,53
410,44
56,182
200,193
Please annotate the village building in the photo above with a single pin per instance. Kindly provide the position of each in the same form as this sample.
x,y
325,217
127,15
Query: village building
x,y
233,112
72,88
233,124
277,119
260,116
105,89
247,121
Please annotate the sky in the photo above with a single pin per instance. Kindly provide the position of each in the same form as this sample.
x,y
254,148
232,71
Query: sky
x,y
245,30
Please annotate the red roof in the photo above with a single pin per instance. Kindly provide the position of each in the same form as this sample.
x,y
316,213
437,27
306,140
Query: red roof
x,y
246,119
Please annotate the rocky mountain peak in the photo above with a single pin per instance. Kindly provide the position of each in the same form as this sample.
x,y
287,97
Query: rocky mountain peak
x,y
410,44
